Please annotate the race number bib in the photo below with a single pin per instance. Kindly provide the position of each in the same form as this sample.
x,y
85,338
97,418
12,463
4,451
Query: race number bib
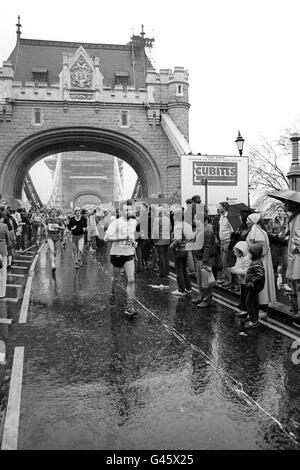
x,y
53,227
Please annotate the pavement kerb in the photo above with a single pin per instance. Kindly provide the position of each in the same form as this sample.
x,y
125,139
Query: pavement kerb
x,y
278,309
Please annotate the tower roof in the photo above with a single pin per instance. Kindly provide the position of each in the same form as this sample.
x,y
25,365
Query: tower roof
x,y
30,54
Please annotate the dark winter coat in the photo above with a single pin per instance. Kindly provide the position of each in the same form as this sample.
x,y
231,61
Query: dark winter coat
x,y
255,276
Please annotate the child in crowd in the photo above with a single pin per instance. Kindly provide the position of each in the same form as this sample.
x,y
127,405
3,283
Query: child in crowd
x,y
255,281
242,263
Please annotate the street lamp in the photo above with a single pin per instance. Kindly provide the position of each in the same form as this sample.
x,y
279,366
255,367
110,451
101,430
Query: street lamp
x,y
204,182
240,143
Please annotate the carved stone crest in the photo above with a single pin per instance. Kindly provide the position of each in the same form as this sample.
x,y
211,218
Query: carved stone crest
x,y
81,74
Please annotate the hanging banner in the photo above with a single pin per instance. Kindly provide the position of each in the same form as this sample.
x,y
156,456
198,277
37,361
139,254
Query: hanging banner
x,y
226,176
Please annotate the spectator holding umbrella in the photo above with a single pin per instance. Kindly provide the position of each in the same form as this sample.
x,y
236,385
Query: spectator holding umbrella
x,y
292,205
277,229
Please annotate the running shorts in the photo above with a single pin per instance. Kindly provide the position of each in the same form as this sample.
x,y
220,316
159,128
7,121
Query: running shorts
x,y
118,261
78,241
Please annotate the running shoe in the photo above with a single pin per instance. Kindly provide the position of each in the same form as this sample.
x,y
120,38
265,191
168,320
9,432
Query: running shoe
x,y
112,299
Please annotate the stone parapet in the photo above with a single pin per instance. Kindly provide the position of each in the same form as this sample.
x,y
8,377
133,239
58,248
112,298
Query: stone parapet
x,y
29,91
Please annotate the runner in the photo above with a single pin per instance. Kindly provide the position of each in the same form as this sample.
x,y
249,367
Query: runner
x,y
53,228
78,226
121,233
62,233
37,224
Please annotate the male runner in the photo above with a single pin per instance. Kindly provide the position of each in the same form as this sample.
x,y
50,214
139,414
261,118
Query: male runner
x,y
53,228
77,226
121,232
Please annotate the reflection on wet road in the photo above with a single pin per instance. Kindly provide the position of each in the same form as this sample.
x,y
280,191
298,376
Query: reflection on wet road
x,y
172,377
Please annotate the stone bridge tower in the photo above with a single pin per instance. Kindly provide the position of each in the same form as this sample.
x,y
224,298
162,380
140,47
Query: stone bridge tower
x,y
58,96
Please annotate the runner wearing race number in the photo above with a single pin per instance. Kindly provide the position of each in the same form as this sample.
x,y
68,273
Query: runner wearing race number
x,y
53,228
121,232
77,226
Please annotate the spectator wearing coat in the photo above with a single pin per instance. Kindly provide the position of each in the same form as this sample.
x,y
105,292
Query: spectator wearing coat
x,y
204,260
277,229
293,269
258,235
4,240
255,282
242,263
161,233
182,233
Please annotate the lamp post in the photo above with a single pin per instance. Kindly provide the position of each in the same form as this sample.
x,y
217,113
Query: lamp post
x,y
204,182
240,143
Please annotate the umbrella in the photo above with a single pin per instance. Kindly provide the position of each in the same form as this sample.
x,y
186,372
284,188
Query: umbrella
x,y
235,209
286,195
234,213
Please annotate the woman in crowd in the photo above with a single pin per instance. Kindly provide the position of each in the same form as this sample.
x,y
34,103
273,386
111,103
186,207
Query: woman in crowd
x,y
4,240
277,229
293,269
258,235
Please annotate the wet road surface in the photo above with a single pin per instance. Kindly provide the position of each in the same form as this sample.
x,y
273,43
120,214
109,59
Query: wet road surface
x,y
172,377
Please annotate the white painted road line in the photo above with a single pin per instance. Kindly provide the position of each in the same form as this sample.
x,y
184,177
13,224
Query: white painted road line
x,y
31,269
25,302
27,249
26,297
280,330
2,353
15,275
5,321
12,418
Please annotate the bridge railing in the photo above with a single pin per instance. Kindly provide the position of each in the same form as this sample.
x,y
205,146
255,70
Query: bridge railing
x,y
56,196
31,192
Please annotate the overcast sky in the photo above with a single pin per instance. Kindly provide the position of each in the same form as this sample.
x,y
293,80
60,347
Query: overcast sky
x,y
242,56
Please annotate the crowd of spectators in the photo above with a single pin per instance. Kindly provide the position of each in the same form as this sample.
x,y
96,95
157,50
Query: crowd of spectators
x,y
254,257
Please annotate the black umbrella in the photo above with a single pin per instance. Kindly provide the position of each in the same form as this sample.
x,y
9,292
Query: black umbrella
x,y
234,213
286,195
